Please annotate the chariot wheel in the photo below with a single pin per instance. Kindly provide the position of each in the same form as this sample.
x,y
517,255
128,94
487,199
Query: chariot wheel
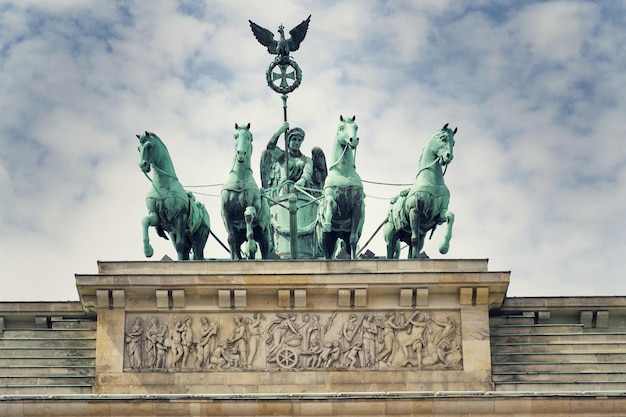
x,y
287,357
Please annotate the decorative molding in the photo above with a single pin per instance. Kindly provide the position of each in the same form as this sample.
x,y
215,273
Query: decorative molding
x,y
352,297
413,297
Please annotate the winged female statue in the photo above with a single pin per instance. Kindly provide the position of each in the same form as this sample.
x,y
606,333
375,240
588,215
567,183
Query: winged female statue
x,y
305,172
305,178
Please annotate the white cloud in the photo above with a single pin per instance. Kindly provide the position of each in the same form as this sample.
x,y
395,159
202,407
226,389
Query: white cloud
x,y
535,89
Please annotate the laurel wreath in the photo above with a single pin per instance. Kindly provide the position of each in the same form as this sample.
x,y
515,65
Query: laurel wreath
x,y
278,88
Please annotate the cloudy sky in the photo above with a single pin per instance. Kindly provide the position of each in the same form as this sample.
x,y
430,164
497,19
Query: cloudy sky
x,y
536,89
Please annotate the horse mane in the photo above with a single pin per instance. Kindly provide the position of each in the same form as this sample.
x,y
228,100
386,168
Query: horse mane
x,y
158,139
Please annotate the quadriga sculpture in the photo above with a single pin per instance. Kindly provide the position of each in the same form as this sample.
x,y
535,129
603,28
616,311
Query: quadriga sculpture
x,y
342,211
170,208
245,213
422,207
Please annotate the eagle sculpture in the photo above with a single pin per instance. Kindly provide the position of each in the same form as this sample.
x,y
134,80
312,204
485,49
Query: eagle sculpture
x,y
281,47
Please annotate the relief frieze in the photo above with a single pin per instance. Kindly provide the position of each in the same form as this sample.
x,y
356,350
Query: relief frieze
x,y
382,340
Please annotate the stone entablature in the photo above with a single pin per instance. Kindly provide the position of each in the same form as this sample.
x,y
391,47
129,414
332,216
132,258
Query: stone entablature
x,y
292,326
593,313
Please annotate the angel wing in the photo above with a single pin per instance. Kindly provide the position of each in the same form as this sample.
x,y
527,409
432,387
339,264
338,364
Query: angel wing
x,y
320,171
270,177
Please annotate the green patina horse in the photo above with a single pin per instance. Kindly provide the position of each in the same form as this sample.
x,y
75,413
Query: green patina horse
x,y
422,207
170,208
342,211
245,213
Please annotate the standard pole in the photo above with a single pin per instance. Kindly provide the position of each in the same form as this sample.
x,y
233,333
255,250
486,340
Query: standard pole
x,y
293,225
293,200
289,189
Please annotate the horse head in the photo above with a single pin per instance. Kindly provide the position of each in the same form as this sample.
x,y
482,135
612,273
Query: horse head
x,y
146,151
347,132
243,143
442,144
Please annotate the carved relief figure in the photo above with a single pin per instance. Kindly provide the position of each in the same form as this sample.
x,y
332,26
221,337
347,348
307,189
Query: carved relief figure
x,y
187,341
426,340
134,343
393,322
347,338
438,339
219,358
324,356
161,347
206,344
353,355
450,354
370,335
254,335
176,345
282,331
238,343
151,342
412,347
310,356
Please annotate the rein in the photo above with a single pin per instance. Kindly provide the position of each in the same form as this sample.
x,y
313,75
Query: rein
x,y
161,171
343,153
438,160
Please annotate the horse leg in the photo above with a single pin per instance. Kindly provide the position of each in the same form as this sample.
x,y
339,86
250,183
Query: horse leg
x,y
197,249
152,219
229,225
232,243
198,241
414,220
265,241
445,245
179,240
410,255
355,229
251,245
390,239
329,209
330,240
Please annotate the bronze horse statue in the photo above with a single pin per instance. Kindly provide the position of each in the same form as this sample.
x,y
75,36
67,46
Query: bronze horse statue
x,y
422,207
342,210
170,208
246,214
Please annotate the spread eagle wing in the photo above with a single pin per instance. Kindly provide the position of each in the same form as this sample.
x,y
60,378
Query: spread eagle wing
x,y
265,37
320,171
297,34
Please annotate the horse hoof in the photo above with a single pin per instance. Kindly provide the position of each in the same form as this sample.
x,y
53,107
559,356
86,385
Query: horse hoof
x,y
148,251
443,249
